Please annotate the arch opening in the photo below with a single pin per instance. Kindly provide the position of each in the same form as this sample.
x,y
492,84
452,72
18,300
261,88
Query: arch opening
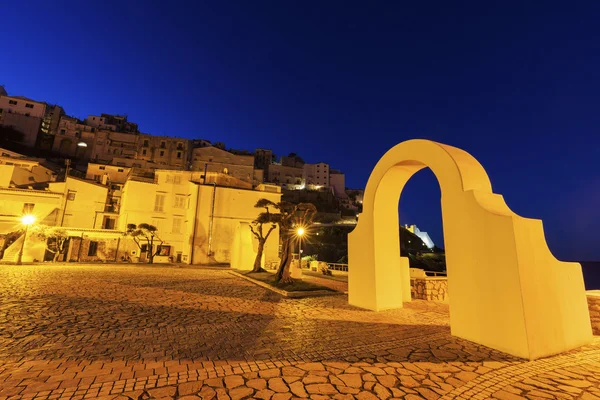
x,y
506,289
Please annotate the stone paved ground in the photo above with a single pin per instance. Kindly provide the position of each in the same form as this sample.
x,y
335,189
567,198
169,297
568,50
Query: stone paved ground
x,y
132,332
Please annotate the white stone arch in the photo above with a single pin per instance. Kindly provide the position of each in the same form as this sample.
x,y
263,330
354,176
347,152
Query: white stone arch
x,y
507,291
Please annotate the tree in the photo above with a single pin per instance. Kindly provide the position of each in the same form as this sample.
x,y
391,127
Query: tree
x,y
256,227
289,216
56,239
145,233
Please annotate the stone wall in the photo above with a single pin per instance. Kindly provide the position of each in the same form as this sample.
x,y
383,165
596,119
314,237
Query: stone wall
x,y
433,289
105,251
594,306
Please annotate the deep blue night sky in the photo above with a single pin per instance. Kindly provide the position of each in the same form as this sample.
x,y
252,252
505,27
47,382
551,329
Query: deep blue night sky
x,y
515,85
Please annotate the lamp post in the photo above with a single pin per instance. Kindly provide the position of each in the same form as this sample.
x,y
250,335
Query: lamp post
x,y
300,232
25,220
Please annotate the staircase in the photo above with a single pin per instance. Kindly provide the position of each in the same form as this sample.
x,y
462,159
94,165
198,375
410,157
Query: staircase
x,y
11,254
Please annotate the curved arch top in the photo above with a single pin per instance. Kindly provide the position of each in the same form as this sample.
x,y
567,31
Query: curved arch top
x,y
452,166
506,289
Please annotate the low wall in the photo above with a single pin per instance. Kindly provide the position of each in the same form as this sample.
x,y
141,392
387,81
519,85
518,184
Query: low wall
x,y
429,288
593,298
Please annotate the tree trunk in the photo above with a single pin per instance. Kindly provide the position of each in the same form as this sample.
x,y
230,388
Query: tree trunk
x,y
150,251
283,273
258,259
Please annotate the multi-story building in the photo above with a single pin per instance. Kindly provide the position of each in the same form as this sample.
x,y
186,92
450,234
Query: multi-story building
x,y
50,125
110,144
23,172
288,177
71,133
316,175
23,114
196,222
263,158
115,123
337,181
212,159
163,150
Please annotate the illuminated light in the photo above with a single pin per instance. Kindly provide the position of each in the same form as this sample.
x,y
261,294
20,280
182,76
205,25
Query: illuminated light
x,y
82,144
27,219
300,231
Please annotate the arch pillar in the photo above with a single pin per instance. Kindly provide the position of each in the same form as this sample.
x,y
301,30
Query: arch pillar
x,y
507,291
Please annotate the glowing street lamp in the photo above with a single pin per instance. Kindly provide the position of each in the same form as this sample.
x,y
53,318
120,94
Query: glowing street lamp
x,y
300,232
26,220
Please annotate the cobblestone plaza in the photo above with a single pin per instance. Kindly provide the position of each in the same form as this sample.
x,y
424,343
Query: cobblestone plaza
x,y
113,331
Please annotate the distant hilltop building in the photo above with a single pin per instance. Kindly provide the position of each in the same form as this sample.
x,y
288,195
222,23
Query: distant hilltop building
x,y
422,235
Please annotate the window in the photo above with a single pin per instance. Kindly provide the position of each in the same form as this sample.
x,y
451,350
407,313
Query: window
x,y
163,144
177,179
71,196
164,250
178,154
28,105
146,143
179,146
27,114
144,152
180,201
120,170
28,208
177,225
12,102
115,187
102,168
93,249
159,203
1,110
108,223
162,153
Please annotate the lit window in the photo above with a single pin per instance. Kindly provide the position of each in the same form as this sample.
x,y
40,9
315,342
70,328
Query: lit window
x,y
71,196
159,203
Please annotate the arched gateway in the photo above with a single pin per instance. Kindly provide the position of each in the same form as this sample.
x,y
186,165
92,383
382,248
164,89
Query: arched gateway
x,y
507,291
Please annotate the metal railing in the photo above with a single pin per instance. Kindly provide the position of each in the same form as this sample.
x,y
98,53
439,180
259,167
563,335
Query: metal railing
x,y
337,267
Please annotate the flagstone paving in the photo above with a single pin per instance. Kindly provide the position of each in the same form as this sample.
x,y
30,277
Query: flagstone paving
x,y
138,332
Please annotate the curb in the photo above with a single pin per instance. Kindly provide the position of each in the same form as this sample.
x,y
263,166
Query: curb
x,y
292,295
